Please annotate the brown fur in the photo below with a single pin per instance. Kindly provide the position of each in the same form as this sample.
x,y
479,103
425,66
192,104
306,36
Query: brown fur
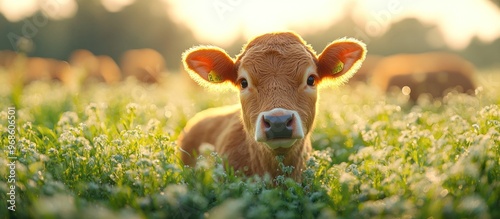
x,y
433,73
276,66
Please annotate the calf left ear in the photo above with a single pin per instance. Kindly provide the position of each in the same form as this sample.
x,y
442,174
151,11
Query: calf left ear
x,y
340,60
210,66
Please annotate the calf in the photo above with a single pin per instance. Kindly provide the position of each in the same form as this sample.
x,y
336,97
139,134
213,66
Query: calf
x,y
277,76
432,73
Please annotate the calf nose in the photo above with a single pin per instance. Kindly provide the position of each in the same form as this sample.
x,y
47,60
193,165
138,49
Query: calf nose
x,y
278,126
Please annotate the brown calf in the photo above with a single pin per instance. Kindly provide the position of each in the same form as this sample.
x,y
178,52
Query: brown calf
x,y
277,76
145,65
433,73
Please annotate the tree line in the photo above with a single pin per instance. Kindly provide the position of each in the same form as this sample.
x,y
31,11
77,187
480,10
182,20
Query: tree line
x,y
146,24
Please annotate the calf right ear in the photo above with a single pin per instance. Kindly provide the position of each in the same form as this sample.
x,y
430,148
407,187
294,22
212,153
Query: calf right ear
x,y
340,60
210,66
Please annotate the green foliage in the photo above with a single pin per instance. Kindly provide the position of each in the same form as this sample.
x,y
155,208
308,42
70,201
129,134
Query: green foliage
x,y
109,152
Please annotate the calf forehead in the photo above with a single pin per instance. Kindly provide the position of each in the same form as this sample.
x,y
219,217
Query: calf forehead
x,y
264,62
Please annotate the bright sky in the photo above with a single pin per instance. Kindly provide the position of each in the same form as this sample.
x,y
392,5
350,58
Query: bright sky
x,y
15,10
221,22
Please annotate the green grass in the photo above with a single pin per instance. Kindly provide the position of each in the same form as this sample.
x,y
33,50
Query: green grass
x,y
108,152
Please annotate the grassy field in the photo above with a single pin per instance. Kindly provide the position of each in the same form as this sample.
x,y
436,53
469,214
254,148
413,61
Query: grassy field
x,y
108,152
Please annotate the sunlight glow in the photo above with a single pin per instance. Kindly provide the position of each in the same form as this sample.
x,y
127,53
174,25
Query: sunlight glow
x,y
116,5
222,21
59,9
16,10
459,23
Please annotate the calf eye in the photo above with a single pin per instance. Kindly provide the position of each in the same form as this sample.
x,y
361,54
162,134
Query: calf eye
x,y
244,83
311,80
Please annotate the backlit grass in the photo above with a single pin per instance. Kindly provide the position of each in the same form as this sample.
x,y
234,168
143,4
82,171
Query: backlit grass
x,y
109,152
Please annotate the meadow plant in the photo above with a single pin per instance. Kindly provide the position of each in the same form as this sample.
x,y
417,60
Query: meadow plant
x,y
111,152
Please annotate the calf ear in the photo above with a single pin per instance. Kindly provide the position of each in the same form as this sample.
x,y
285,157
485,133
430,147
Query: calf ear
x,y
210,66
340,60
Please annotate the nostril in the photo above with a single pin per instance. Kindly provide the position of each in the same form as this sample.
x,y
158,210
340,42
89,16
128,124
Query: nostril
x,y
266,123
289,122
278,126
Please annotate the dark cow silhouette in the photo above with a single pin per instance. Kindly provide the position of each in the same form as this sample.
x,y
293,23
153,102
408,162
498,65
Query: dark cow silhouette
x,y
434,73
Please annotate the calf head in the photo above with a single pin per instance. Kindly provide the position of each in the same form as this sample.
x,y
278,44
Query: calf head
x,y
277,76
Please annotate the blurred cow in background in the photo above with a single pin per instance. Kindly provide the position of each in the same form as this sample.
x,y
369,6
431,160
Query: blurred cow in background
x,y
85,60
28,69
145,65
364,73
434,73
7,59
37,68
89,67
108,69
